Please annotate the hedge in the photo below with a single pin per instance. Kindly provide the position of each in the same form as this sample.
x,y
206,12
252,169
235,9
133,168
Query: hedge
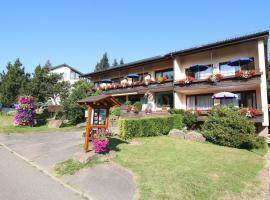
x,y
145,127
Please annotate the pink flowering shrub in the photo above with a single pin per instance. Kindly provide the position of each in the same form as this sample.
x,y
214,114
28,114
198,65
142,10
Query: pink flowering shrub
x,y
101,140
25,111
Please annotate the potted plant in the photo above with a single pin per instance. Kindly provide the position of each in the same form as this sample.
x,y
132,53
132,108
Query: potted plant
x,y
245,74
101,140
214,78
185,81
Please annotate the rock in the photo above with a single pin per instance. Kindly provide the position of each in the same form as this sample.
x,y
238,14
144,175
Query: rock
x,y
176,133
85,157
194,136
81,125
55,123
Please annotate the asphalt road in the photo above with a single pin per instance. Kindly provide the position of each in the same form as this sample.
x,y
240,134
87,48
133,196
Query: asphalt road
x,y
19,180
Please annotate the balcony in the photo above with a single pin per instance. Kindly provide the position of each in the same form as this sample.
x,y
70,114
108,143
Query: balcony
x,y
139,87
219,81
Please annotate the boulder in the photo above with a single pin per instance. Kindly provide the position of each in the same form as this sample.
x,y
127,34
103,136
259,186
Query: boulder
x,y
176,133
55,123
81,125
85,157
194,136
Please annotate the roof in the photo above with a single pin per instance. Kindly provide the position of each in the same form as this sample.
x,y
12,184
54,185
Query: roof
x,y
100,100
196,49
68,66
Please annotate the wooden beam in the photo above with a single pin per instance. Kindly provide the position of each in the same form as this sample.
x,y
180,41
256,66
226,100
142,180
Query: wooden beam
x,y
87,128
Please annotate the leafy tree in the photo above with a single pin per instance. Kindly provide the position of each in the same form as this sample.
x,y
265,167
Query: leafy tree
x,y
14,82
115,63
71,110
46,85
121,61
57,89
103,64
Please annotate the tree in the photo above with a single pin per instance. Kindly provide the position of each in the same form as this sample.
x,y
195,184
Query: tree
x,y
46,85
70,109
115,63
14,82
122,61
57,89
103,64
39,83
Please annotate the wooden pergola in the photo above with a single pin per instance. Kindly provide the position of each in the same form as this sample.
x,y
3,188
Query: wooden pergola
x,y
97,114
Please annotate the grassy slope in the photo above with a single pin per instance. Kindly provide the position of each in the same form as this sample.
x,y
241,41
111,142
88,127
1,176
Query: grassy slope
x,y
176,169
6,126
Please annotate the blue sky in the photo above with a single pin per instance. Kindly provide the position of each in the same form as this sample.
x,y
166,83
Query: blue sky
x,y
78,32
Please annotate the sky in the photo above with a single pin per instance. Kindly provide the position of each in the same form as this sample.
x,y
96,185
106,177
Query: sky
x,y
78,32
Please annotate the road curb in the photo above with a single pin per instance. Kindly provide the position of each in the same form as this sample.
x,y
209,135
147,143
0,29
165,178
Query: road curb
x,y
82,194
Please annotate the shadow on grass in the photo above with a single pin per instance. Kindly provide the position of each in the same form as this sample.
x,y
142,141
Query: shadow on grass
x,y
114,142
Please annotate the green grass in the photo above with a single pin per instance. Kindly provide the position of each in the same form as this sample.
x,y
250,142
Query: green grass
x,y
71,166
167,168
6,126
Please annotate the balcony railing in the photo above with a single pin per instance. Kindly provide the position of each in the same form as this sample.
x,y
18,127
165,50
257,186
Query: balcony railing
x,y
134,84
214,78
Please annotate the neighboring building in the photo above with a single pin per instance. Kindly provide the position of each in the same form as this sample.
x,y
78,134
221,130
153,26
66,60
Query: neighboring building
x,y
69,73
167,81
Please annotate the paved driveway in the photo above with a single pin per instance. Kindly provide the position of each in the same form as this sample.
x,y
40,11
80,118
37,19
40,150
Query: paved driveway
x,y
44,149
103,182
19,180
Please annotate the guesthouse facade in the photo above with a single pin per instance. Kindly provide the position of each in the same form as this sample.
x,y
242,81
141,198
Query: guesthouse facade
x,y
188,79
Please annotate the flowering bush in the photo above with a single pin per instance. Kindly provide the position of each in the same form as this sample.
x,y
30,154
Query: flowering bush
x,y
214,78
250,112
26,111
161,79
186,81
101,140
245,74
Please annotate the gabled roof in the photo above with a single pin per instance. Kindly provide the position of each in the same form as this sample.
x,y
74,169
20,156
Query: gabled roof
x,y
209,46
68,66
100,100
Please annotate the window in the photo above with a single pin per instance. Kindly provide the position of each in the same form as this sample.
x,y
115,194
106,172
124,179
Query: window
x,y
202,74
228,70
245,100
168,73
140,77
200,102
164,99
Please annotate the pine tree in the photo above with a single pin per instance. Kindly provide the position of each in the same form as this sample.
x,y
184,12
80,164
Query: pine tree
x,y
121,61
103,63
115,63
14,82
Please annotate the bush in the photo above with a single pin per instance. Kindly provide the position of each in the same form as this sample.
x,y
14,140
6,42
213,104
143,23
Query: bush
x,y
189,118
142,127
138,105
115,111
25,111
226,126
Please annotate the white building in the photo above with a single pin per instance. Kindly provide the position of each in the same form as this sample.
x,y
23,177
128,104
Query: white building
x,y
69,73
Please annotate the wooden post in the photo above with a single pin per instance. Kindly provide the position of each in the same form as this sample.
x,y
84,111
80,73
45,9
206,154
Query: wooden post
x,y
107,119
87,129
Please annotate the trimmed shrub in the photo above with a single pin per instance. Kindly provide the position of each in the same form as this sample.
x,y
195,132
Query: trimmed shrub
x,y
189,118
227,127
145,127
138,105
115,111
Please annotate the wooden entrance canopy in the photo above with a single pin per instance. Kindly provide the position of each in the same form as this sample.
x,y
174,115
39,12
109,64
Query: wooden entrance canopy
x,y
97,114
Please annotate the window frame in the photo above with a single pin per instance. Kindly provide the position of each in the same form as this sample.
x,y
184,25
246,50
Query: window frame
x,y
165,70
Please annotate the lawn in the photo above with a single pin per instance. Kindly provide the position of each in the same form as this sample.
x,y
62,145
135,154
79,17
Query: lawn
x,y
167,168
6,126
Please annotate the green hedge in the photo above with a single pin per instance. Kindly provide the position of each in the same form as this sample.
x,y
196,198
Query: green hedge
x,y
145,127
